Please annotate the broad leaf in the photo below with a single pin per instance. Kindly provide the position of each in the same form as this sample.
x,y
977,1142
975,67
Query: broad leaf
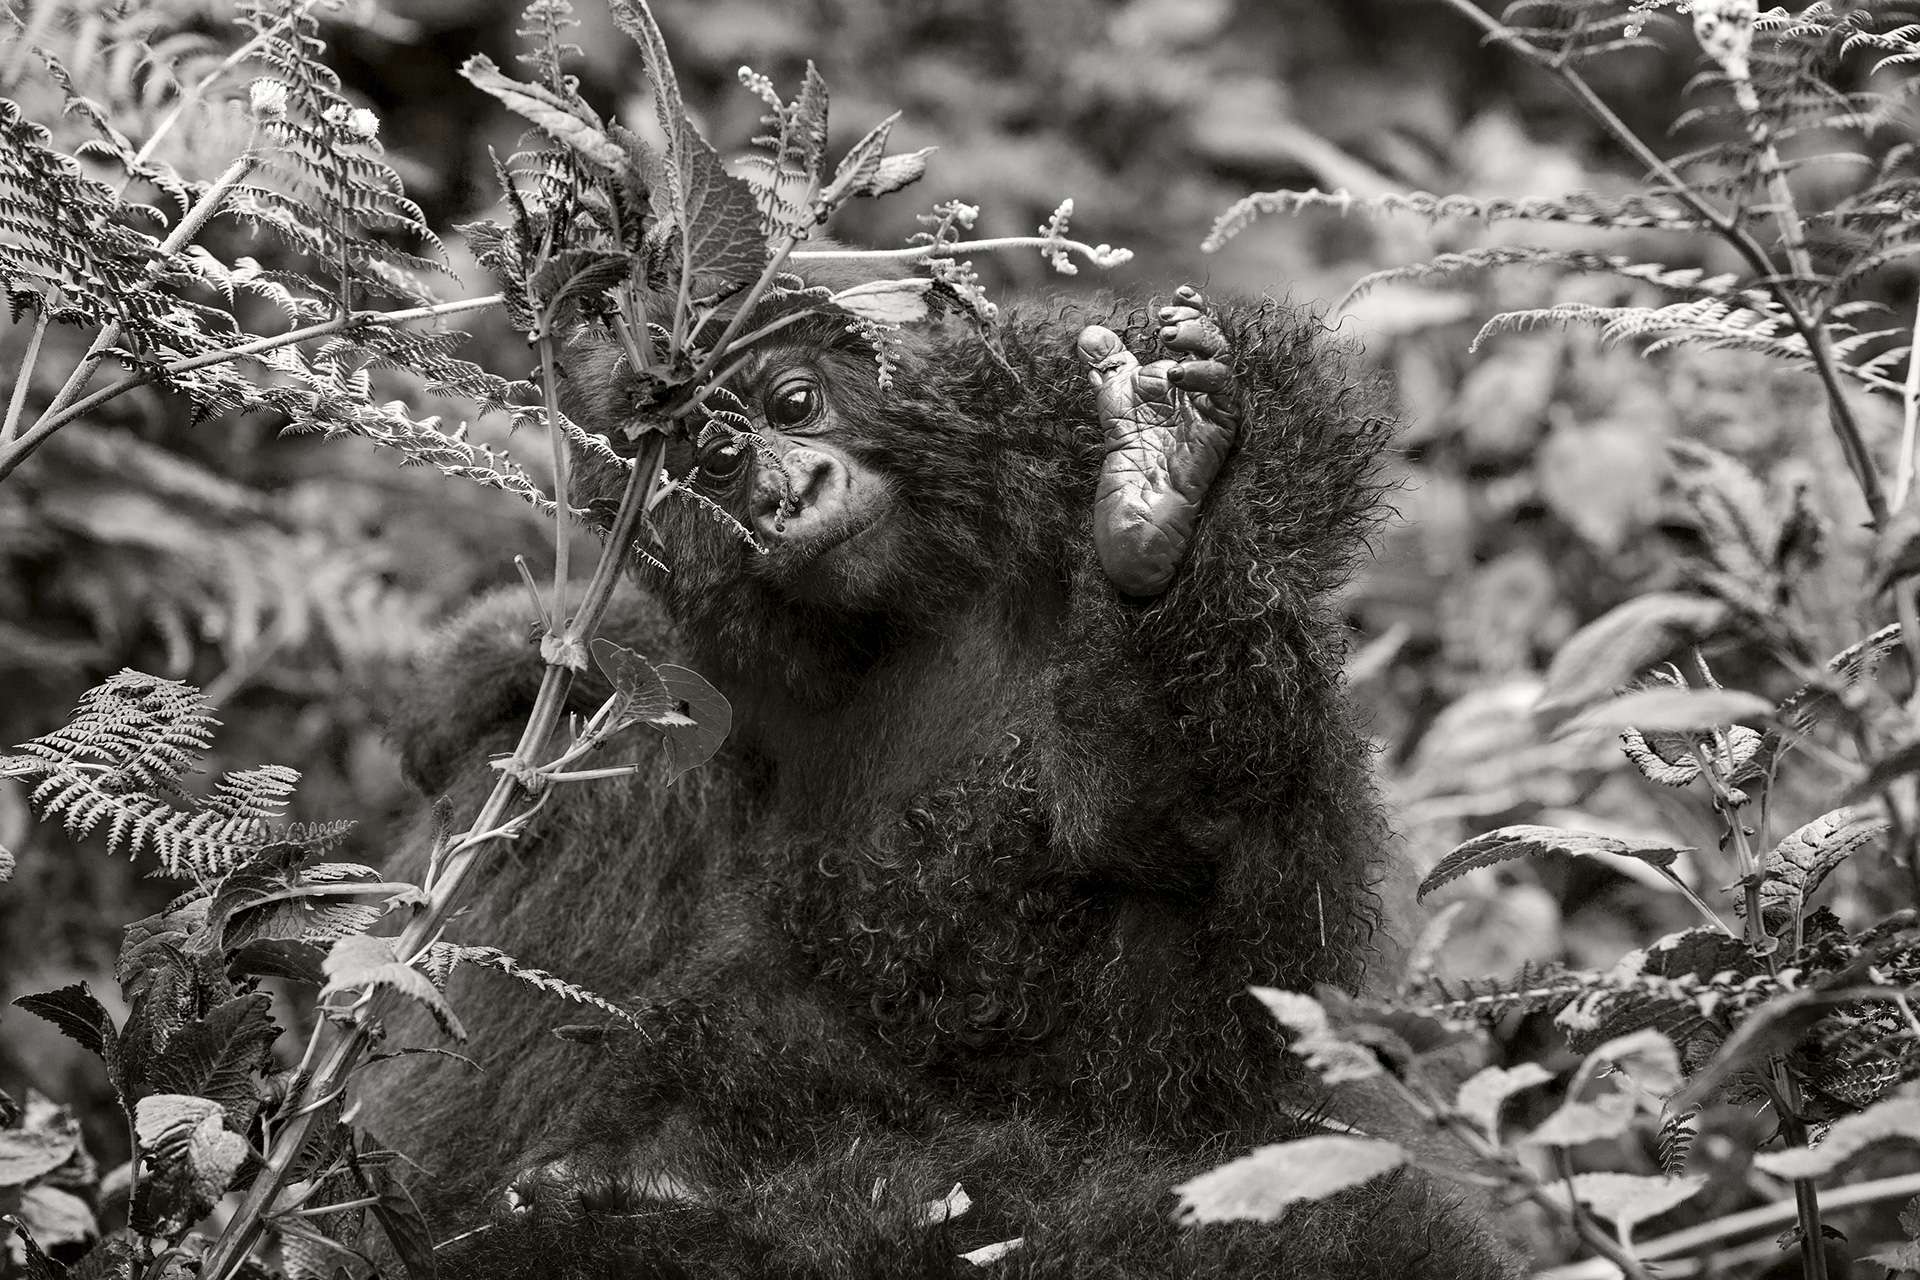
x,y
1627,1199
1526,841
690,713
364,961
1261,1186
1888,1119
887,301
1671,710
25,1154
1613,649
1336,1058
1482,1096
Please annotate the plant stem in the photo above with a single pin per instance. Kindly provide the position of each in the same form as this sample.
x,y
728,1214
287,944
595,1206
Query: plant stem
x,y
1910,418
12,456
916,253
562,481
24,377
1852,445
237,1239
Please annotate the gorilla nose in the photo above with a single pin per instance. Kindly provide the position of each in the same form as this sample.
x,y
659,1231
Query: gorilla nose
x,y
814,484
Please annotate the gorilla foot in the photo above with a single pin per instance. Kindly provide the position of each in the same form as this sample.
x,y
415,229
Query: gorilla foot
x,y
1169,426
573,1188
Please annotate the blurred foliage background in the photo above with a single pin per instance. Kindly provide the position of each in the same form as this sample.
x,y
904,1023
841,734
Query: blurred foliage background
x,y
292,578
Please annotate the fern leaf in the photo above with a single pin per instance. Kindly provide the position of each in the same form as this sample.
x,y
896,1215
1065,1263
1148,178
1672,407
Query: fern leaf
x,y
451,956
1581,208
1690,280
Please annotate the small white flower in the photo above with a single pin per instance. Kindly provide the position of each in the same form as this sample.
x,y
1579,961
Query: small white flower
x,y
1725,30
363,124
268,98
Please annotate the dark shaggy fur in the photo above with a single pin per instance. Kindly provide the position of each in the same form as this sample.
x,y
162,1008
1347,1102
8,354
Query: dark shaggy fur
x,y
976,889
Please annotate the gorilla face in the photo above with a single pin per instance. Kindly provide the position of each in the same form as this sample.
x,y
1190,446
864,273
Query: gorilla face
x,y
830,527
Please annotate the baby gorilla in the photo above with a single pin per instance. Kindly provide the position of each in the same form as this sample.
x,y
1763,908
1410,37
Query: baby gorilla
x,y
1040,758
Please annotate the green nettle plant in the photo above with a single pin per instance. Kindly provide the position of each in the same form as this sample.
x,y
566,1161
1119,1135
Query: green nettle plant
x,y
657,243
1773,1017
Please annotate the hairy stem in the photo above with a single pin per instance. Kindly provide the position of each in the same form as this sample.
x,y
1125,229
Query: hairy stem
x,y
339,1052
562,481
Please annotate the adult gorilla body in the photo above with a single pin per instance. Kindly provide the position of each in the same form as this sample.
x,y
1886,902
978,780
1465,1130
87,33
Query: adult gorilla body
x,y
976,888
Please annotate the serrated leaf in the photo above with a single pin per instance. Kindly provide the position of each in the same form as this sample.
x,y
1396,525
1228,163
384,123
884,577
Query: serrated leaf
x,y
1795,867
860,165
576,273
887,301
7,864
1613,649
1890,1119
720,240
1481,1096
286,958
569,122
1670,711
1334,1057
1261,1186
1628,1199
639,684
1898,1258
79,1015
365,961
1527,841
218,1056
56,1217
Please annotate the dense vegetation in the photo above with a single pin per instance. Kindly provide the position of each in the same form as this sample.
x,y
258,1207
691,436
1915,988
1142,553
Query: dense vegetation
x,y
1661,501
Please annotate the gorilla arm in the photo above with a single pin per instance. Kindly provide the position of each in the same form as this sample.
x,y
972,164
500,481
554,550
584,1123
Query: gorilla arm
x,y
1200,739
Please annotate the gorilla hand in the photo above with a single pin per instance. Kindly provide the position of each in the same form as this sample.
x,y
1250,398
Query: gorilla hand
x,y
1169,426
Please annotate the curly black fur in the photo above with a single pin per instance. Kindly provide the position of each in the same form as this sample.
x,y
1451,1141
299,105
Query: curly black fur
x,y
976,890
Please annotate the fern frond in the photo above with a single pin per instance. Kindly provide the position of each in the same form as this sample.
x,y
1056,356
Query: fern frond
x,y
1708,322
447,956
124,752
65,245
1536,987
1629,212
326,186
1681,280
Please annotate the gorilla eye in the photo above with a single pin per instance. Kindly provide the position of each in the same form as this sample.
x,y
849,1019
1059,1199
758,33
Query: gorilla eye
x,y
723,458
794,404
